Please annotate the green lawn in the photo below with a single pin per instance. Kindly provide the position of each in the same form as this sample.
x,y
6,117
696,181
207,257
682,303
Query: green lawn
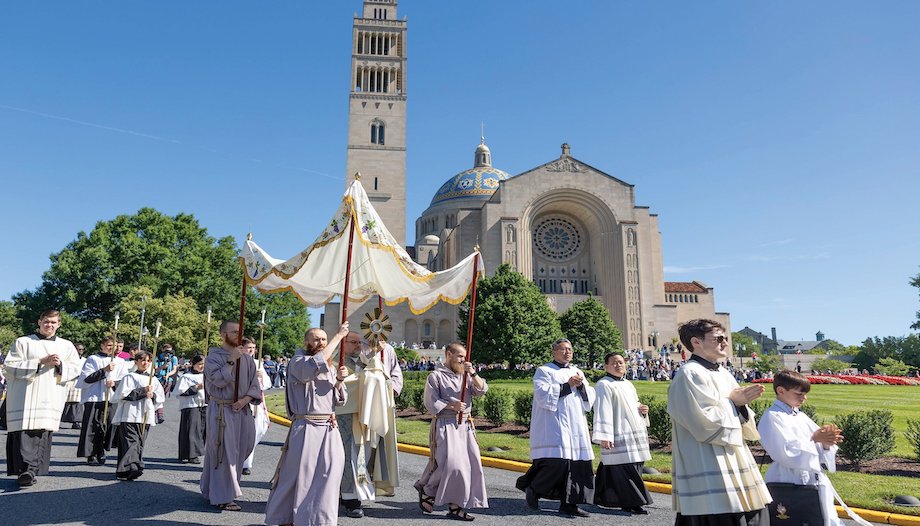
x,y
861,490
829,400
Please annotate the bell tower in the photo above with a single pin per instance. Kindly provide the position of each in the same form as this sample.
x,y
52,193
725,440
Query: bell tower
x,y
377,112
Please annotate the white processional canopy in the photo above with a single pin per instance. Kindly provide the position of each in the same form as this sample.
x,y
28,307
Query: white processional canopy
x,y
380,266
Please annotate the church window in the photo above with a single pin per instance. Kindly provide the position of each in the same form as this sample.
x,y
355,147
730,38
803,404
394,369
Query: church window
x,y
375,183
377,132
427,328
557,239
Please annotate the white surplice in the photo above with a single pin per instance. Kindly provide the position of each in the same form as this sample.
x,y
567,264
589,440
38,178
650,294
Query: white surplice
x,y
617,419
558,427
36,393
713,471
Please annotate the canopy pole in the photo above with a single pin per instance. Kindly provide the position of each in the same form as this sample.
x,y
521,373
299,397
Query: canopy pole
x,y
469,331
351,241
380,306
239,338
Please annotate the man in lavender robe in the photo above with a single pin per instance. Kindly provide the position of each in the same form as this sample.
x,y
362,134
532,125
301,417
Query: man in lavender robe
x,y
305,488
453,477
231,428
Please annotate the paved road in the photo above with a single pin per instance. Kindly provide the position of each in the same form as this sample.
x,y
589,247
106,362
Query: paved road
x,y
77,494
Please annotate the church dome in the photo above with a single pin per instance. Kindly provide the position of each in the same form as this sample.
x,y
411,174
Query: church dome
x,y
479,182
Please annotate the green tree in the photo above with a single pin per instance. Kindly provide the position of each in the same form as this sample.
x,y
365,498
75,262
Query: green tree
x,y
513,321
286,321
749,345
915,282
167,255
10,326
592,333
828,364
832,347
765,363
892,367
903,348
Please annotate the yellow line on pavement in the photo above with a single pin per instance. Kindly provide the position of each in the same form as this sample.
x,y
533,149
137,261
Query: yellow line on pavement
x,y
882,517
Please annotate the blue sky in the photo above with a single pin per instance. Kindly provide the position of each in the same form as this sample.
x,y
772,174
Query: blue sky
x,y
777,141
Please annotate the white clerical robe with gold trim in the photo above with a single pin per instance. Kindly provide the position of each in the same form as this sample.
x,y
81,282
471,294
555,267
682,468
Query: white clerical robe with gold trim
x,y
713,471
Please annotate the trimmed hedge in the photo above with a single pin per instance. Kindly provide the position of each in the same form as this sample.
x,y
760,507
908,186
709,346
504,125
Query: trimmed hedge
x,y
496,405
523,407
868,434
913,435
659,420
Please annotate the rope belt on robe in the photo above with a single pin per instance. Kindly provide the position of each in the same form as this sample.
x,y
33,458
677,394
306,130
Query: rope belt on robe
x,y
452,419
319,418
220,428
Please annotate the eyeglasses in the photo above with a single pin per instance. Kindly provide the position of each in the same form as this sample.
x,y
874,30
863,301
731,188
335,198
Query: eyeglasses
x,y
720,338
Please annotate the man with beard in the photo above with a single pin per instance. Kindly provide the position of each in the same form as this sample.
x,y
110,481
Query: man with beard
x,y
453,475
39,367
560,443
367,423
305,488
231,429
99,375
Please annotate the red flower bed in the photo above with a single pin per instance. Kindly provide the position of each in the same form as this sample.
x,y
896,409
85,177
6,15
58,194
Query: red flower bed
x,y
842,379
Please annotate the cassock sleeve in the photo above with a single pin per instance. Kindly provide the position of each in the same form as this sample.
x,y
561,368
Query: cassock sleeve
x,y
475,391
694,403
434,401
70,364
217,372
586,392
123,391
545,390
17,365
396,377
603,414
306,368
778,438
254,390
90,374
340,393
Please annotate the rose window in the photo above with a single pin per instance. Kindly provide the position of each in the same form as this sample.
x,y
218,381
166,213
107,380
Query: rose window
x,y
557,239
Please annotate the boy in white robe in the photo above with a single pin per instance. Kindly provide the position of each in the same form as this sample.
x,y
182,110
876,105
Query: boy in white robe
x,y
38,368
798,447
259,411
98,376
621,429
193,415
560,443
136,398
716,481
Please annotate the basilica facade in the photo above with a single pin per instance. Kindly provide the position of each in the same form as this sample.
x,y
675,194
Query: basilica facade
x,y
568,226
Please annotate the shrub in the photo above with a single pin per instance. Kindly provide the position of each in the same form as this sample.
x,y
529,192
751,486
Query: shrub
x,y
868,435
659,421
913,435
404,400
523,407
759,406
478,405
495,406
507,374
418,399
810,411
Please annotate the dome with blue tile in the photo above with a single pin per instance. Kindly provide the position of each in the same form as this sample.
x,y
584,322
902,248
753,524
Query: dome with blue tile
x,y
479,182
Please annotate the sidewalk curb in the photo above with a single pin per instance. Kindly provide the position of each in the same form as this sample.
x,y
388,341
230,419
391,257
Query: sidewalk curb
x,y
882,517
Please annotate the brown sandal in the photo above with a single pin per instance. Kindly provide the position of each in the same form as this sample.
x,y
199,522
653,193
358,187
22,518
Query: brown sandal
x,y
230,506
456,513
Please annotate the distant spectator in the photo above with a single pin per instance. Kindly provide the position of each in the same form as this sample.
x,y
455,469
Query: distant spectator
x,y
270,366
